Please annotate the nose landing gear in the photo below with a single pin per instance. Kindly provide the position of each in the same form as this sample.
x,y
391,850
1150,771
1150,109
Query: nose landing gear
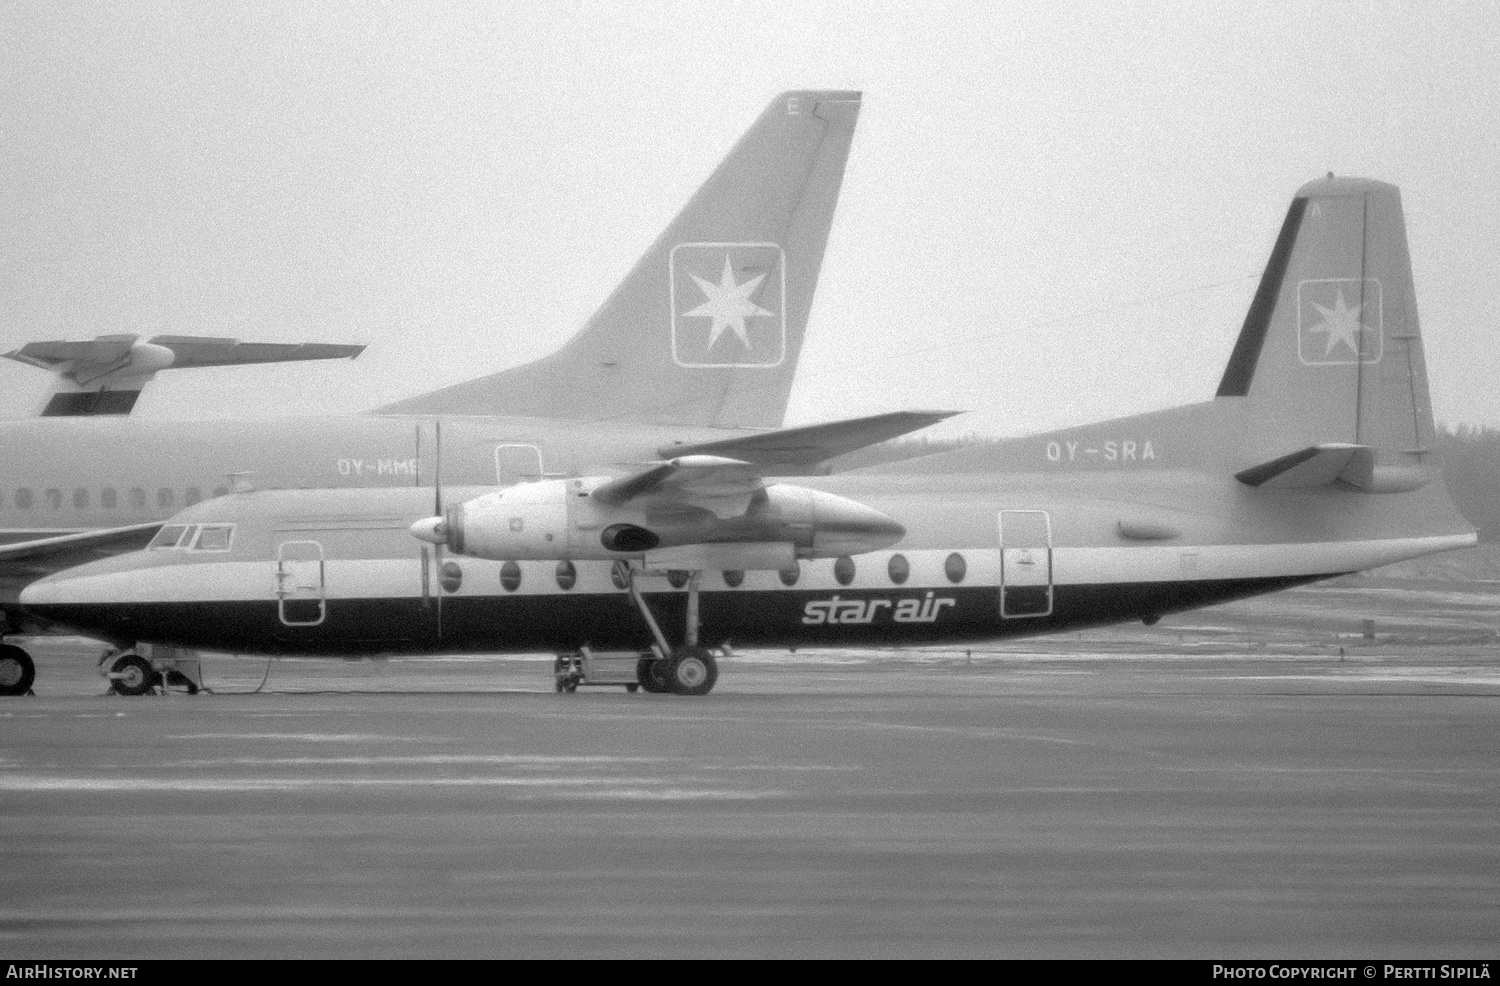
x,y
131,673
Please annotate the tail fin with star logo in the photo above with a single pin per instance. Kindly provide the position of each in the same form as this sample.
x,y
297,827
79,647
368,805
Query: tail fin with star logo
x,y
1329,364
707,327
1326,385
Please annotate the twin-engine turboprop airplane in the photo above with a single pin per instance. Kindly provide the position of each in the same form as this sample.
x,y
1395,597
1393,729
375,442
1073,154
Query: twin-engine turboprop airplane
x,y
697,346
1315,459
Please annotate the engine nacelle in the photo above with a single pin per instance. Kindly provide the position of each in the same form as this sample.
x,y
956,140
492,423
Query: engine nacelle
x,y
559,519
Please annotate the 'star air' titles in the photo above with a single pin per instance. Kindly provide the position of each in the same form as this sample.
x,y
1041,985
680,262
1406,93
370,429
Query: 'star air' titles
x,y
840,610
1120,450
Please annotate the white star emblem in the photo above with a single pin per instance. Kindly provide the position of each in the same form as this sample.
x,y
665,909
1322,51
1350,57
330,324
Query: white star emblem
x,y
1342,324
728,304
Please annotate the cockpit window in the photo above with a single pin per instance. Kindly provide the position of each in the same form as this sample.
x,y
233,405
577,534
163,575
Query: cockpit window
x,y
167,537
214,537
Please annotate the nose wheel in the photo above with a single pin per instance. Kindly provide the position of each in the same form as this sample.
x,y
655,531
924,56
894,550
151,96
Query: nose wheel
x,y
132,674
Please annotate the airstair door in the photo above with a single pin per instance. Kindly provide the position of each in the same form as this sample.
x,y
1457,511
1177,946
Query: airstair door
x,y
1025,564
300,583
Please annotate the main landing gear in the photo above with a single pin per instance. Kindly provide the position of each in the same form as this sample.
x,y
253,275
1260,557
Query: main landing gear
x,y
685,670
17,670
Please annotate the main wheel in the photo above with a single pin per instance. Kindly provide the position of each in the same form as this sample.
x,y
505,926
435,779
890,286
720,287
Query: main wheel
x,y
132,675
692,671
17,670
648,671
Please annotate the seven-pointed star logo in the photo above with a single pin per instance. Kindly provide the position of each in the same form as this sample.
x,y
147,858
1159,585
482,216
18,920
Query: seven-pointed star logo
x,y
1342,324
728,304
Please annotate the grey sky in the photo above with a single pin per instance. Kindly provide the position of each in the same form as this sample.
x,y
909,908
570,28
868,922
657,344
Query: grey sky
x,y
1049,216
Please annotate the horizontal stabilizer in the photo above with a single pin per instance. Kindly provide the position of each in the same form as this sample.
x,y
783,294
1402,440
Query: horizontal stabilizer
x,y
1318,465
104,354
801,451
1354,465
105,375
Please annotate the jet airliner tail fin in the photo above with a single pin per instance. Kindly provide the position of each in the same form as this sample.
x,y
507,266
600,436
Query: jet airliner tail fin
x,y
707,327
1329,360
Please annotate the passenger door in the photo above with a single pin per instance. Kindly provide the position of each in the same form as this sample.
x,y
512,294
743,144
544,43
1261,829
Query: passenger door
x,y
1025,563
300,583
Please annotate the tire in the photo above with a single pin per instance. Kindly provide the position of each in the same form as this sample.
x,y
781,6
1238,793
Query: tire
x,y
692,671
138,677
632,689
17,670
648,671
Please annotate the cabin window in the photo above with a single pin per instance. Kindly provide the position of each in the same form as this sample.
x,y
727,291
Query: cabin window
x,y
165,498
137,498
214,537
167,537
510,576
955,568
80,499
843,570
567,575
733,577
24,499
192,496
54,499
451,576
108,498
789,576
677,577
898,569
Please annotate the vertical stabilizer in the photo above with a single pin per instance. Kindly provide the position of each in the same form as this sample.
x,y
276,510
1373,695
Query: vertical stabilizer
x,y
1331,352
707,327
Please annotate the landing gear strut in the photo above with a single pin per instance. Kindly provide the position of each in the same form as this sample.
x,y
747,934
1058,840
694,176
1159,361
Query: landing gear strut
x,y
685,670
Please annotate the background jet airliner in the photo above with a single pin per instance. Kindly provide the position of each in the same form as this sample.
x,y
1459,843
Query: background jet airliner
x,y
698,344
1314,459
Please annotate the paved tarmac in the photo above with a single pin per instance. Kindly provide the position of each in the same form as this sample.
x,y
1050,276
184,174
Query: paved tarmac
x,y
1188,792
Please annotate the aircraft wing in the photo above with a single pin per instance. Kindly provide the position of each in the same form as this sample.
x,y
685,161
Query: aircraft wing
x,y
801,451
26,561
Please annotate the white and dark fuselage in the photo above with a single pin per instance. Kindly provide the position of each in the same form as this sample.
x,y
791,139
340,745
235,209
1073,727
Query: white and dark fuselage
x,y
985,556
